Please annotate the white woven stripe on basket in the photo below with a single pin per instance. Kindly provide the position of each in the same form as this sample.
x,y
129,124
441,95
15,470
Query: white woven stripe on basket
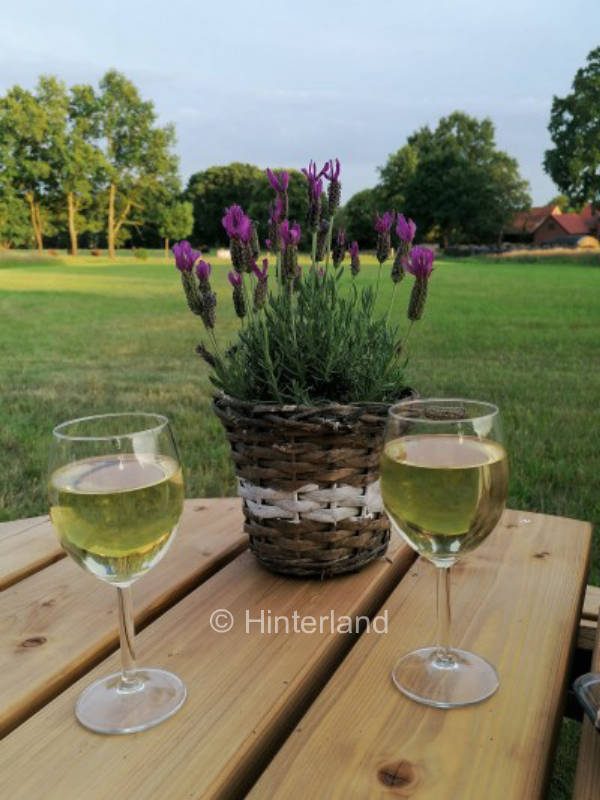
x,y
320,505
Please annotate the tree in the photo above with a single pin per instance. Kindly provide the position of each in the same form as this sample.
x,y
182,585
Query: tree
x,y
141,168
359,216
175,221
574,161
461,183
396,175
25,155
14,219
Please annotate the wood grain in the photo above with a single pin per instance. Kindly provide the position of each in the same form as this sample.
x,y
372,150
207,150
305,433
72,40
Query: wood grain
x,y
587,776
26,546
516,601
245,690
591,603
60,621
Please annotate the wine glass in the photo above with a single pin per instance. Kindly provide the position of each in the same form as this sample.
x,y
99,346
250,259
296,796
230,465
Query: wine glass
x,y
444,481
116,496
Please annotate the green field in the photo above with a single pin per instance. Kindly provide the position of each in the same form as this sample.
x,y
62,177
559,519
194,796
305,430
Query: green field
x,y
88,336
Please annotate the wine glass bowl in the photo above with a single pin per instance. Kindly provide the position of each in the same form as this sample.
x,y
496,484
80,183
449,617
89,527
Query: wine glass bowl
x,y
444,482
116,495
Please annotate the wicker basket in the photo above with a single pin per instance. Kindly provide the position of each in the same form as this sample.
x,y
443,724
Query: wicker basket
x,y
308,478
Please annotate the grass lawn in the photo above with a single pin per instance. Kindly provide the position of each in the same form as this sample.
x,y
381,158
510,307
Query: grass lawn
x,y
87,336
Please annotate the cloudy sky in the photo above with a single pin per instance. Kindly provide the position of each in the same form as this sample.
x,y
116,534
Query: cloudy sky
x,y
279,82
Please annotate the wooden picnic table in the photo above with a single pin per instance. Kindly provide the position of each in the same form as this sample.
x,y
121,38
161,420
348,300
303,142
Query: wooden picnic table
x,y
287,715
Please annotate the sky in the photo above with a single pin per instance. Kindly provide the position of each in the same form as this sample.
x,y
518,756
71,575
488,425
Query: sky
x,y
277,83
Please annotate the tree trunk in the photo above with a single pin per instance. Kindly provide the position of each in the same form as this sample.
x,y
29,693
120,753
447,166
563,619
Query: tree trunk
x,y
72,227
166,247
111,220
36,220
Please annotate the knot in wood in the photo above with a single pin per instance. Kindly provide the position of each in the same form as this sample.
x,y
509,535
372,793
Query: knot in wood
x,y
34,641
399,774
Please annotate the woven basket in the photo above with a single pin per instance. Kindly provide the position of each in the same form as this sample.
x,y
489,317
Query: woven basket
x,y
308,477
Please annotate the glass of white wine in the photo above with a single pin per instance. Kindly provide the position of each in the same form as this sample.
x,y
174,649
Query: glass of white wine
x,y
444,482
116,495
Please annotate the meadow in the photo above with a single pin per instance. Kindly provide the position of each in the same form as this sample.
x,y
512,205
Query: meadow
x,y
86,336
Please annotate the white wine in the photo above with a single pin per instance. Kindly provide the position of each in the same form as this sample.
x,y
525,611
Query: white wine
x,y
444,493
116,515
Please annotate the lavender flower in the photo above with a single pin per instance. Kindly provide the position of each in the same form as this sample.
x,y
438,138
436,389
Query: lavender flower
x,y
280,181
322,240
315,189
290,234
239,303
290,237
260,290
405,229
239,230
338,250
268,244
354,259
383,226
254,243
261,274
334,193
209,309
185,257
420,264
237,224
203,270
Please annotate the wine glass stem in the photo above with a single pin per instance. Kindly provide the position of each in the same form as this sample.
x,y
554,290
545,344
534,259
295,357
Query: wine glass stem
x,y
129,681
443,656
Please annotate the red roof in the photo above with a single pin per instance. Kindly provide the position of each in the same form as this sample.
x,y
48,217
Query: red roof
x,y
528,221
572,223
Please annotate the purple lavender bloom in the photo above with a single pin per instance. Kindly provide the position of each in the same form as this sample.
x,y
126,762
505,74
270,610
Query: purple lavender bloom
x,y
331,172
237,224
311,172
185,257
235,279
290,234
203,270
384,222
317,189
276,211
354,259
261,274
405,229
268,244
280,181
420,262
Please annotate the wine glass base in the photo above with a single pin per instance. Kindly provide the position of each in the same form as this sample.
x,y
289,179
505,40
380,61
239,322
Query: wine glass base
x,y
462,680
108,707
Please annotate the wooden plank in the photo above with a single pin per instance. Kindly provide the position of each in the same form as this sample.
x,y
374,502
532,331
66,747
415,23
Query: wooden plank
x,y
516,601
245,690
591,603
58,623
587,775
586,634
26,546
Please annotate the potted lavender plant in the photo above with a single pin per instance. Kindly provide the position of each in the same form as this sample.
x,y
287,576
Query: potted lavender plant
x,y
304,391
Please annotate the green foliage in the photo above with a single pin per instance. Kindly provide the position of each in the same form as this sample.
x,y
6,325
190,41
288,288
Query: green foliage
x,y
320,346
141,253
359,216
455,179
14,219
176,220
574,161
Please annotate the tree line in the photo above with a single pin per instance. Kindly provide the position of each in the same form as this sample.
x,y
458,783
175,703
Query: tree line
x,y
94,164
88,161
